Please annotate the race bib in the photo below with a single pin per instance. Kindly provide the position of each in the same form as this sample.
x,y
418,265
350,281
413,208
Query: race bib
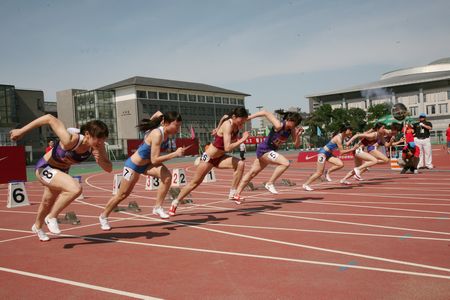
x,y
273,155
321,158
48,174
126,173
205,157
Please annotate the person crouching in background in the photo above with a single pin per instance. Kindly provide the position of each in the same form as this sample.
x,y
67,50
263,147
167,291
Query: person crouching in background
x,y
410,158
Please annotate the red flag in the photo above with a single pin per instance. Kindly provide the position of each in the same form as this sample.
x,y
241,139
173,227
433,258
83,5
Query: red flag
x,y
192,133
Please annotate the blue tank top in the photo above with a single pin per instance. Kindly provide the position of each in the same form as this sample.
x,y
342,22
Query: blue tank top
x,y
331,146
145,149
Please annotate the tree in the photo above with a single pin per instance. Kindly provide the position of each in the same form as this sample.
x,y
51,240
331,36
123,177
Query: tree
x,y
378,111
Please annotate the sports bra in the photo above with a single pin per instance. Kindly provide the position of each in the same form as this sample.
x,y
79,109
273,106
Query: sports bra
x,y
218,140
145,149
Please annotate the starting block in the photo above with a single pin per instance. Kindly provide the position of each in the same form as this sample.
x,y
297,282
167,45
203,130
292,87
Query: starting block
x,y
210,177
151,183
287,182
251,187
17,195
173,194
69,218
132,206
116,183
78,179
178,177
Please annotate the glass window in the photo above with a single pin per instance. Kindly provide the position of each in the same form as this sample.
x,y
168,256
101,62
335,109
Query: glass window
x,y
152,95
173,96
209,99
443,108
218,99
413,110
233,100
226,100
201,98
141,94
182,97
241,101
163,96
431,109
448,95
192,98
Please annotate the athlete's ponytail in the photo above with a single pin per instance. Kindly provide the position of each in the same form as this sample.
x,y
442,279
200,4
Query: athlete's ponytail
x,y
293,116
149,124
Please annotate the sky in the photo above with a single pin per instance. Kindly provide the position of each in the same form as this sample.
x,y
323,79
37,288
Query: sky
x,y
277,51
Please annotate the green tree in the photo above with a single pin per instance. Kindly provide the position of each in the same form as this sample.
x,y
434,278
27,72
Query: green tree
x,y
378,111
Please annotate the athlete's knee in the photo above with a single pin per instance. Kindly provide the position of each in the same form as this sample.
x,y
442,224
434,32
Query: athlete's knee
x,y
74,190
240,165
286,163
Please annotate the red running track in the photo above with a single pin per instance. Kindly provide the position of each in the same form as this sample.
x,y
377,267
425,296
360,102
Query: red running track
x,y
387,237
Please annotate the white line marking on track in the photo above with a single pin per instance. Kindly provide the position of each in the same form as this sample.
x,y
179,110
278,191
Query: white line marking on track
x,y
78,284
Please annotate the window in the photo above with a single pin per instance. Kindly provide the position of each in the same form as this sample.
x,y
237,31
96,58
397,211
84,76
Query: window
x,y
192,98
233,100
163,96
413,110
431,109
141,94
173,96
201,98
443,108
241,101
209,99
448,95
183,97
217,99
226,100
152,95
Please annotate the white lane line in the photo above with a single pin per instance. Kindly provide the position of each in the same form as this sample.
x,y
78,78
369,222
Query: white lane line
x,y
78,284
379,207
241,254
292,244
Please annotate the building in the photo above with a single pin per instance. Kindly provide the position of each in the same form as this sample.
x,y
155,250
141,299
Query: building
x,y
122,105
18,107
422,89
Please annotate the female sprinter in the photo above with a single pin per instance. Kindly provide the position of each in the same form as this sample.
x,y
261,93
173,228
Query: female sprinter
x,y
326,153
74,146
371,139
147,160
266,151
226,139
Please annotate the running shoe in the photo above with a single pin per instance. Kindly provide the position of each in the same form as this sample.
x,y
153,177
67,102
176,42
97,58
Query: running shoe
x,y
238,199
52,224
307,188
172,210
327,177
357,173
345,182
104,224
271,188
43,237
358,178
159,211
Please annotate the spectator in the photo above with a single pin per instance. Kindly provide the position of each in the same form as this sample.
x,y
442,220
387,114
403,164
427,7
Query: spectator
x,y
448,139
422,140
242,150
49,146
410,158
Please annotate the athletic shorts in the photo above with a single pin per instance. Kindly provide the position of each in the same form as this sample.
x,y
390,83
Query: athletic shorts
x,y
138,169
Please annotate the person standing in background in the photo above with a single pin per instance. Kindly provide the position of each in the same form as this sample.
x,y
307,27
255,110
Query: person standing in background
x,y
49,146
422,140
242,151
448,139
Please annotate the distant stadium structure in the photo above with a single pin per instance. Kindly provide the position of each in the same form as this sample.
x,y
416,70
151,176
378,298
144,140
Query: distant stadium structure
x,y
424,89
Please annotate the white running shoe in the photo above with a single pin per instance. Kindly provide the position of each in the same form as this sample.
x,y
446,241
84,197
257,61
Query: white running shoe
x,y
327,177
307,188
52,224
159,211
104,224
231,194
358,178
43,237
271,188
345,182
